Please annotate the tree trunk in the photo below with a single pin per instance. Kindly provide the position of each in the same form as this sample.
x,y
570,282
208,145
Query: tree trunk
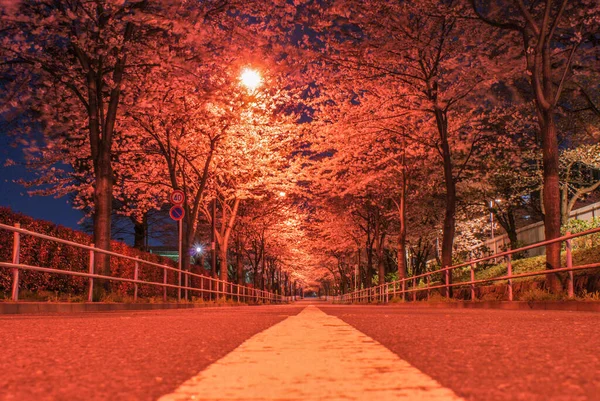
x,y
402,232
450,215
551,197
369,270
223,265
239,267
140,232
102,218
381,261
263,267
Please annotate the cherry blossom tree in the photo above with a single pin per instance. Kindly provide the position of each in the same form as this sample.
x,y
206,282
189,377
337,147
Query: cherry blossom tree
x,y
555,39
80,59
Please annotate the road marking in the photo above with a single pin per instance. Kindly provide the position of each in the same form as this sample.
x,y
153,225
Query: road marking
x,y
311,356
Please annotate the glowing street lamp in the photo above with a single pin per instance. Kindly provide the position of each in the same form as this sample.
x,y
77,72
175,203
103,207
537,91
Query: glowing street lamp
x,y
251,79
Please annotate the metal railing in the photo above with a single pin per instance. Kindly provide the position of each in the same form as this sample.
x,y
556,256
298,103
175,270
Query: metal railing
x,y
425,283
216,288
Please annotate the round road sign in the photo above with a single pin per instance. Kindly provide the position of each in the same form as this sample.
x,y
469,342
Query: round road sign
x,y
177,197
176,213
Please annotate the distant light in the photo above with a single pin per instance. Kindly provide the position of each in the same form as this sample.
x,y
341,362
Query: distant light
x,y
198,249
250,79
282,194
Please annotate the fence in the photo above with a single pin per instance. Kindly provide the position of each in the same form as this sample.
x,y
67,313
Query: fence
x,y
425,283
207,285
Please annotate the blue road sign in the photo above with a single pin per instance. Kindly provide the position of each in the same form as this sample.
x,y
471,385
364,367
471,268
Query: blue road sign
x,y
176,213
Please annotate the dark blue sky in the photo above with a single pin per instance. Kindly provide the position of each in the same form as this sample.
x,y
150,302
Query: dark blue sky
x,y
15,196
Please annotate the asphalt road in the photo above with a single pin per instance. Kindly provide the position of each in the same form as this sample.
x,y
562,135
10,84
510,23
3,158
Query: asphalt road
x,y
491,354
479,354
120,355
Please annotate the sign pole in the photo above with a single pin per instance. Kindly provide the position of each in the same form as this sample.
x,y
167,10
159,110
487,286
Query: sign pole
x,y
177,212
180,257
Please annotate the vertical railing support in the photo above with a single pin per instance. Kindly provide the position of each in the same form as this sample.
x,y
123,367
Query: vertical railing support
x,y
428,284
179,285
570,284
165,285
447,274
136,273
472,283
186,283
509,274
91,271
15,260
414,285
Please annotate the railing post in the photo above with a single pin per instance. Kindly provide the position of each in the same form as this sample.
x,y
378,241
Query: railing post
x,y
91,271
570,284
202,288
509,274
428,290
135,277
414,284
186,282
15,260
447,274
179,283
387,295
472,279
165,285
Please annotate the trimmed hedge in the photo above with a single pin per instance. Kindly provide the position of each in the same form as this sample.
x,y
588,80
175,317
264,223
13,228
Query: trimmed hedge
x,y
44,253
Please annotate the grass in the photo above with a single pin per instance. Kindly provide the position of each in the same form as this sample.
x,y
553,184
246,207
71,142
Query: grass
x,y
581,256
589,296
527,265
536,294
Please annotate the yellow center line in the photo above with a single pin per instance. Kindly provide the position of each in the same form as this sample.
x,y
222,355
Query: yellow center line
x,y
311,356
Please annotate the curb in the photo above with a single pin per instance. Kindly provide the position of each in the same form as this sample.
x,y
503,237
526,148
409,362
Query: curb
x,y
507,305
48,307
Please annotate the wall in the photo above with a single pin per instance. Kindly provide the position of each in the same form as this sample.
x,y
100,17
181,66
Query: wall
x,y
535,232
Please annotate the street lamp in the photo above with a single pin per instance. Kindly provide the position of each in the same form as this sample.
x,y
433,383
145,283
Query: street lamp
x,y
251,79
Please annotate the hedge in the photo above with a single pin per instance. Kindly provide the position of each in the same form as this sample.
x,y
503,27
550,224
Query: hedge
x,y
44,253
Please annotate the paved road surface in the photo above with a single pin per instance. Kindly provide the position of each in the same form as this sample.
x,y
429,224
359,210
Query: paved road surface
x,y
473,354
491,354
120,355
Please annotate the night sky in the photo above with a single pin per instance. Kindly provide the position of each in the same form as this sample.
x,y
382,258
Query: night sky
x,y
15,196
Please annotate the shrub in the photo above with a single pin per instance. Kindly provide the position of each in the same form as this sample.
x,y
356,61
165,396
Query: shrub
x,y
536,294
44,253
575,226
